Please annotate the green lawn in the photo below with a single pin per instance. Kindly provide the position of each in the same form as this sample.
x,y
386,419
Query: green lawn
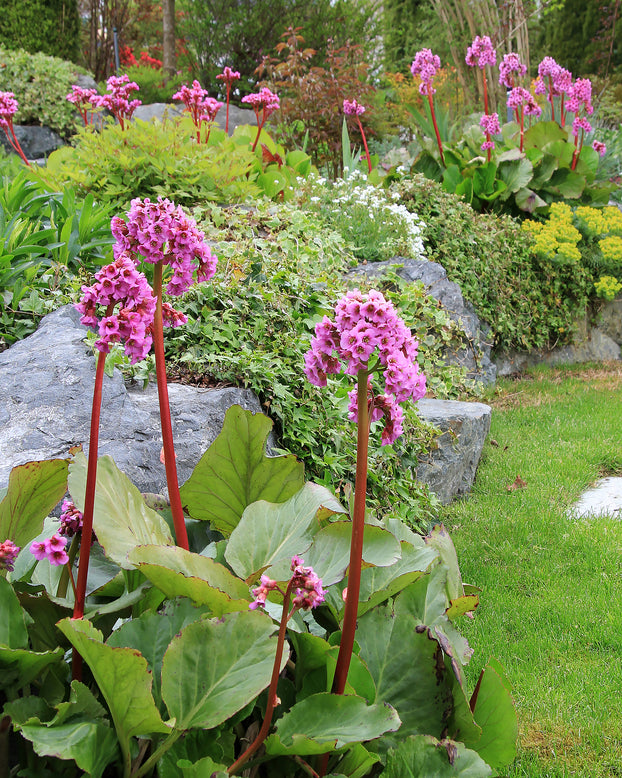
x,y
551,605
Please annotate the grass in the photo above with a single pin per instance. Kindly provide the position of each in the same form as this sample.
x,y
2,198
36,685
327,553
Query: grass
x,y
551,605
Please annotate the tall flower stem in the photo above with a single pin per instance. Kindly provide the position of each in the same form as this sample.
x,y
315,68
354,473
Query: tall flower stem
x,y
181,535
89,506
16,144
358,119
438,135
486,111
228,98
265,727
356,546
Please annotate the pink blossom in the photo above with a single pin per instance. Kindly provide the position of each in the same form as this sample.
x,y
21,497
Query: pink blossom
x,y
352,108
364,325
599,147
8,555
8,109
490,124
79,96
522,97
70,519
52,549
481,52
309,591
263,101
228,76
580,97
162,232
510,65
580,123
261,592
116,100
208,109
425,65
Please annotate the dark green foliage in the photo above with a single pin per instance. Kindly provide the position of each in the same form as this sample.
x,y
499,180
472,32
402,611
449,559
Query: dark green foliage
x,y
40,84
528,302
409,25
48,26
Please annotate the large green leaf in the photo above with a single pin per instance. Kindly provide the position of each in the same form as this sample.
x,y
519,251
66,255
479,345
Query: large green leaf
x,y
19,667
407,667
13,632
494,711
516,174
151,634
440,539
34,489
357,762
567,183
423,755
121,519
325,722
123,678
78,731
561,150
544,170
543,133
329,554
216,667
181,573
235,472
527,200
269,533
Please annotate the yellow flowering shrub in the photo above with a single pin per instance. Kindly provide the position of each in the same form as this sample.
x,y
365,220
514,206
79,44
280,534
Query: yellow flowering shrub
x,y
600,221
558,237
607,287
611,248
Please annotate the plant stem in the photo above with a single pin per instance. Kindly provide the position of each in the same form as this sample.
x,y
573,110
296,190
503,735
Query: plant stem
x,y
15,143
358,119
181,536
356,546
438,135
276,669
486,111
89,506
158,753
259,126
227,119
61,591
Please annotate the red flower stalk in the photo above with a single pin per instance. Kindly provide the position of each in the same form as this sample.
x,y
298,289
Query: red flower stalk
x,y
8,109
425,66
229,77
352,108
264,103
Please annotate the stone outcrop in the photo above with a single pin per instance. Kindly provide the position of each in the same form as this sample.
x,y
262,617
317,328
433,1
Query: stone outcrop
x,y
474,353
450,468
36,142
46,391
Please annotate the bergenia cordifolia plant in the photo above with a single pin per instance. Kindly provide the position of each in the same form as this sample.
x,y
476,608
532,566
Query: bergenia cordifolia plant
x,y
523,103
117,98
490,126
306,586
8,109
229,77
479,54
425,65
367,339
264,103
200,106
85,101
554,81
8,555
511,70
352,108
580,103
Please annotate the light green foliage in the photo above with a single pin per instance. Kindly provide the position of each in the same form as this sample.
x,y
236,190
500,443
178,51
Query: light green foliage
x,y
40,85
529,302
153,86
607,287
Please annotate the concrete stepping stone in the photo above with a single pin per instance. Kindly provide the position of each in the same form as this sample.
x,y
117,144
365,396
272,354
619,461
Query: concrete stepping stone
x,y
605,499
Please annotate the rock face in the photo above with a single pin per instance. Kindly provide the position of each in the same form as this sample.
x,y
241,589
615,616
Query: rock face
x,y
475,353
449,470
591,344
158,111
610,320
36,142
46,391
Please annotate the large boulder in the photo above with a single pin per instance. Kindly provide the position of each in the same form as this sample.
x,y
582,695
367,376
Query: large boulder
x,y
36,142
474,353
449,469
46,391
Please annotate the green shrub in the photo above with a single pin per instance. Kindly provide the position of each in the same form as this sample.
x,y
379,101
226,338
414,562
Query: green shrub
x,y
48,26
40,85
529,301
154,88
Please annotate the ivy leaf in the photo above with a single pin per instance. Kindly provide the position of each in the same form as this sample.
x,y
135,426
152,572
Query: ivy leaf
x,y
325,722
235,472
34,489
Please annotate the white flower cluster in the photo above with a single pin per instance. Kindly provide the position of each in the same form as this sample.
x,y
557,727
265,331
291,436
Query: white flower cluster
x,y
363,209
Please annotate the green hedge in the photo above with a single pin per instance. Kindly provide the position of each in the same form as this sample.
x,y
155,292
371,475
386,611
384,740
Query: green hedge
x,y
48,26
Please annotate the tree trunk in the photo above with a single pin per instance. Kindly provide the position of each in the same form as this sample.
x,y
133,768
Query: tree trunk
x,y
168,37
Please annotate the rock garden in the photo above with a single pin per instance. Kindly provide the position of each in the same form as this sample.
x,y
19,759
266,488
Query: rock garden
x,y
297,406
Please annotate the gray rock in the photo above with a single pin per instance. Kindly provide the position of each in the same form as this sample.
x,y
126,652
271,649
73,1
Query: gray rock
x,y
85,81
36,142
475,352
610,320
449,469
46,392
158,111
590,345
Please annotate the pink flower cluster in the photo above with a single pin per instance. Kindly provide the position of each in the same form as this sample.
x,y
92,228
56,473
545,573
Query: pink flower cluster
x,y
116,100
122,283
8,555
84,100
306,582
522,98
228,76
481,52
52,549
70,519
425,65
510,65
599,147
364,323
352,108
8,109
162,232
490,125
580,97
263,101
580,123
559,79
201,107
